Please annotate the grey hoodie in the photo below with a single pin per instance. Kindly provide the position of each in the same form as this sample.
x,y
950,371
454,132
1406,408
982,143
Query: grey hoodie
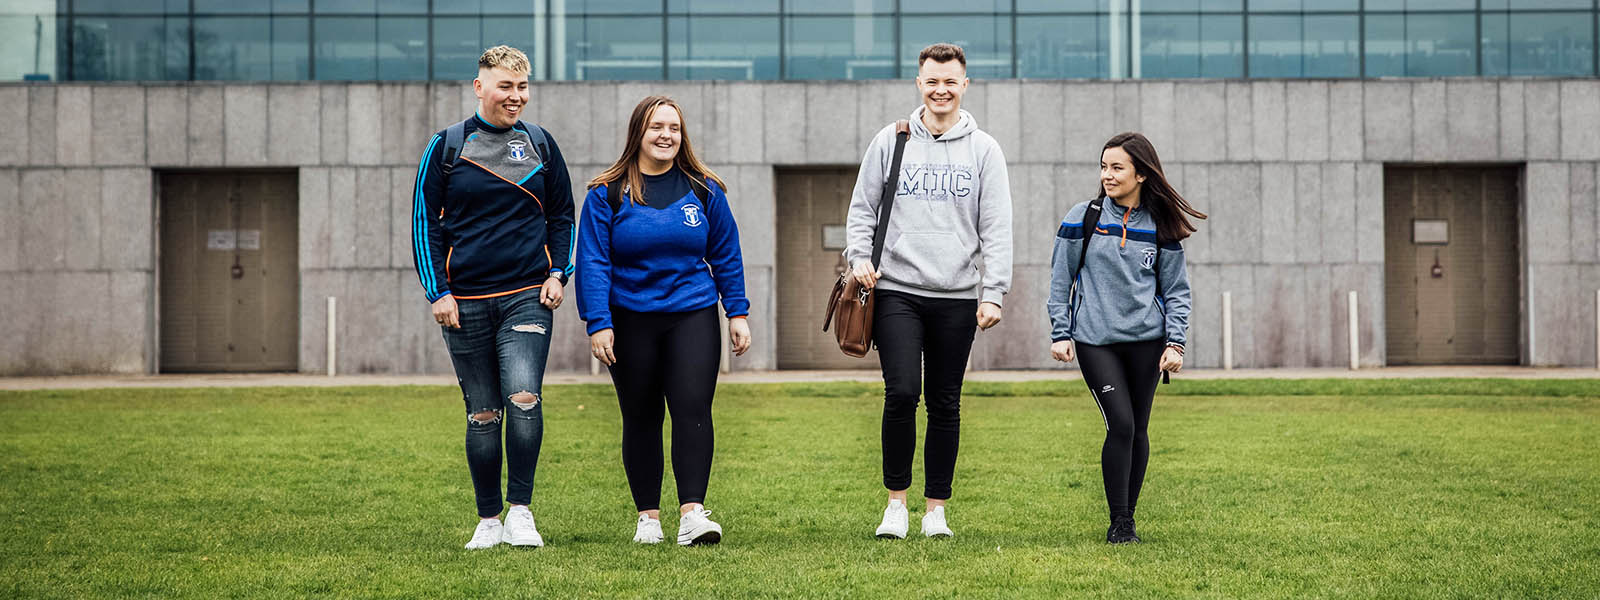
x,y
952,208
1130,290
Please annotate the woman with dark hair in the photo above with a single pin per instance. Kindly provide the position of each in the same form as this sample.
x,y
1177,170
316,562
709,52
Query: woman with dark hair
x,y
657,247
1119,304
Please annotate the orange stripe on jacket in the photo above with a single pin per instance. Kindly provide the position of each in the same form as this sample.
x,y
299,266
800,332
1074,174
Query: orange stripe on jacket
x,y
513,183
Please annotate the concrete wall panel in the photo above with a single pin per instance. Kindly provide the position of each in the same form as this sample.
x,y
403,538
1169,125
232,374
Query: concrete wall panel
x,y
1344,121
244,110
1239,279
1513,132
1563,305
128,213
1548,209
45,219
365,122
166,118
419,345
399,197
1158,112
763,354
1241,133
1320,326
74,118
1125,112
334,124
10,228
1001,106
1204,347
1473,120
14,146
882,103
14,354
1044,110
833,102
294,126
1367,282
1278,213
1541,103
1580,111
373,207
406,125
740,126
1307,120
316,225
206,132
1022,339
1085,127
1430,125
129,338
606,127
563,110
41,131
444,108
1201,122
369,317
316,285
80,216
1034,217
1269,119
1280,315
1581,223
1308,225
1369,213
785,104
119,128
1386,120
1338,212
342,216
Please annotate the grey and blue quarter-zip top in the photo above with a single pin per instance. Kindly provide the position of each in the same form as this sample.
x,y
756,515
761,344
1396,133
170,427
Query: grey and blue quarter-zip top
x,y
1131,288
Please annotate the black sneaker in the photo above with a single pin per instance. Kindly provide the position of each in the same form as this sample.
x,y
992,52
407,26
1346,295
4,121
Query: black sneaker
x,y
1121,532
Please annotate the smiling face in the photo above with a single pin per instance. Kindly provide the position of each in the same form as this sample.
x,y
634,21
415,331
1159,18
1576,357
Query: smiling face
x,y
663,135
942,85
1117,175
502,94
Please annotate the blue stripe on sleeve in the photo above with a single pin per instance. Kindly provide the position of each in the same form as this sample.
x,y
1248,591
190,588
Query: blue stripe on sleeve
x,y
424,258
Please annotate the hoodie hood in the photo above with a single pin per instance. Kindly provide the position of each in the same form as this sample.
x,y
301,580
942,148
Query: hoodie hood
x,y
963,128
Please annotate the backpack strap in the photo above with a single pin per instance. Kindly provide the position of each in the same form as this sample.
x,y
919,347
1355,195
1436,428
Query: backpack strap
x,y
1091,222
701,193
453,139
541,143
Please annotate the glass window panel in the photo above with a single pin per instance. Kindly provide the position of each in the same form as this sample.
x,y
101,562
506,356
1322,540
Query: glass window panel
x,y
722,48
1304,5
130,48
956,6
1066,6
28,47
735,7
361,7
608,48
509,7
1189,6
1550,44
1045,50
1276,46
233,48
1495,47
205,7
1441,45
1385,5
603,7
401,7
839,7
1332,46
1386,46
1173,46
516,31
456,47
290,6
291,41
129,7
402,48
1415,5
840,47
1537,4
346,48
986,40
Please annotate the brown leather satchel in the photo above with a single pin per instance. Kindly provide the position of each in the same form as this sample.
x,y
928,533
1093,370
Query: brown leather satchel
x,y
850,305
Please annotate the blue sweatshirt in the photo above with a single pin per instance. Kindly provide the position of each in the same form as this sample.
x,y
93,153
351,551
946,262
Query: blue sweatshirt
x,y
670,256
1128,291
500,223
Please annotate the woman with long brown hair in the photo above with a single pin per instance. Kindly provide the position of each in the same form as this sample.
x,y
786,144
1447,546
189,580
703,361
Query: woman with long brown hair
x,y
657,247
1119,304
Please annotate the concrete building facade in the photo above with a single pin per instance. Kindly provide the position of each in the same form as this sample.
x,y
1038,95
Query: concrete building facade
x,y
1291,172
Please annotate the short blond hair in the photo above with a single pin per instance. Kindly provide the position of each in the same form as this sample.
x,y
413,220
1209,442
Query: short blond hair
x,y
504,57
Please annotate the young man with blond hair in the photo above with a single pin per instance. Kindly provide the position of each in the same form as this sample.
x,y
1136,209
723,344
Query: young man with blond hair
x,y
951,209
492,232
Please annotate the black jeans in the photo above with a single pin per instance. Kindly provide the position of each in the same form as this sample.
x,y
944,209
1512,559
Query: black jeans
x,y
672,357
921,340
499,352
1123,378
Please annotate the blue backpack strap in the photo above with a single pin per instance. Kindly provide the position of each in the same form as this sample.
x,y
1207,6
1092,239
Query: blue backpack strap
x,y
453,140
541,143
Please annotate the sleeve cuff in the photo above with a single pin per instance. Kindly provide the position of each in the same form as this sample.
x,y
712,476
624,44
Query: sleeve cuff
x,y
994,296
599,324
1061,339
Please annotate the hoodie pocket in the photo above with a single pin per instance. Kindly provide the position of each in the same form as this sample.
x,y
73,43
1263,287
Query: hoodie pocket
x,y
934,260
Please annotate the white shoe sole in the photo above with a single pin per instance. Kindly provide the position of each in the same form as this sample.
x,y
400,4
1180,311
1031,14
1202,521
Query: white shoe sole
x,y
536,542
709,535
890,534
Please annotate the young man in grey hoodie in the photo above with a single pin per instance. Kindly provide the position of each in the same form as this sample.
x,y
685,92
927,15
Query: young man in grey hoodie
x,y
952,207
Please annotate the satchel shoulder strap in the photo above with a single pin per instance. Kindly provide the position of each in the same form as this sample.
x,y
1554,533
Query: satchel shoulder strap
x,y
891,184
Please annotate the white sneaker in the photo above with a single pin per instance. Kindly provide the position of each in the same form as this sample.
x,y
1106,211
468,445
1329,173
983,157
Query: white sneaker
x,y
896,519
487,535
648,531
695,527
933,524
519,529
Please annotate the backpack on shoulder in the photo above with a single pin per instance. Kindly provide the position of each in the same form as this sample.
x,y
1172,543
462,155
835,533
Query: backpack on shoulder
x,y
850,305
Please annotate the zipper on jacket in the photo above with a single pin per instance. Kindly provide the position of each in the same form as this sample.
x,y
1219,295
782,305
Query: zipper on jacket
x,y
1125,227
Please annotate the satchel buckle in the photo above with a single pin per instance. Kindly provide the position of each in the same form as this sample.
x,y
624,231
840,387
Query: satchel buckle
x,y
861,296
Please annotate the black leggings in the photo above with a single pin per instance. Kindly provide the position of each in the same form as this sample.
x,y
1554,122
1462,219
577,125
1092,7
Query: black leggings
x,y
672,356
1123,378
922,341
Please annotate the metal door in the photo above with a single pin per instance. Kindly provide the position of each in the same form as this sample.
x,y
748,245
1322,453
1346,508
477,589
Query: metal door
x,y
811,218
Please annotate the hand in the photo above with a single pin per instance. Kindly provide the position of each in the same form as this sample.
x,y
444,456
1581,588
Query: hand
x,y
1172,360
445,312
550,295
600,346
864,273
988,315
739,335
1062,351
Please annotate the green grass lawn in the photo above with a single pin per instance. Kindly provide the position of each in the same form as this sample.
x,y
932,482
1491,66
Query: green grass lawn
x,y
1444,488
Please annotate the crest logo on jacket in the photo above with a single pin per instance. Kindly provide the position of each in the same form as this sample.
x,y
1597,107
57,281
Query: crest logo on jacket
x,y
519,150
1149,261
691,215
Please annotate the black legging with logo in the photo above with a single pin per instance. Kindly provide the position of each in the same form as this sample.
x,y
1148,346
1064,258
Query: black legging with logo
x,y
923,344
1123,378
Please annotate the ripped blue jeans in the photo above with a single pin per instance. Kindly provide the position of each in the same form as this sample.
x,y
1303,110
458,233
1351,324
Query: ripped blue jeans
x,y
499,355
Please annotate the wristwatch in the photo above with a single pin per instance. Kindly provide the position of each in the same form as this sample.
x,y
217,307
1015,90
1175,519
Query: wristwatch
x,y
560,275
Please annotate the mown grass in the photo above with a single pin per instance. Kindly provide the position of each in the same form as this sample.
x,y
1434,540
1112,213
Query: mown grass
x,y
1336,488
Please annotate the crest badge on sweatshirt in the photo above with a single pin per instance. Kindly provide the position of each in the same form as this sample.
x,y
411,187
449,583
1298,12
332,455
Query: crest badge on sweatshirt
x,y
1149,261
691,215
518,151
